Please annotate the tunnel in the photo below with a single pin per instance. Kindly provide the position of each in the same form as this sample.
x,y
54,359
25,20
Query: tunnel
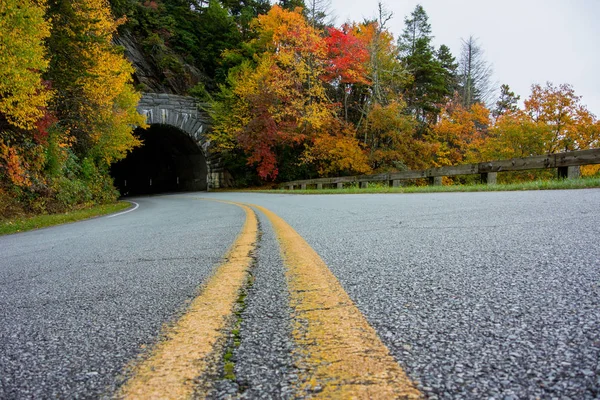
x,y
168,161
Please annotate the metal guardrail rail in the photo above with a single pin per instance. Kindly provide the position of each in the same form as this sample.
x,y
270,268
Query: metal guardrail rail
x,y
568,164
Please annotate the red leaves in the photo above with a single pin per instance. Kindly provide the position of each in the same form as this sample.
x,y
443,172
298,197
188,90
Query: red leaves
x,y
42,125
347,56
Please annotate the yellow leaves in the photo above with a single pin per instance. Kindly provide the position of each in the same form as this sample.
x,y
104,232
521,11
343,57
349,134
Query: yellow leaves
x,y
95,82
22,60
558,107
287,33
336,151
461,133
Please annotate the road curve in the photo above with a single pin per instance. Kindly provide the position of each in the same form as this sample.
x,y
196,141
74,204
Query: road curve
x,y
476,295
78,302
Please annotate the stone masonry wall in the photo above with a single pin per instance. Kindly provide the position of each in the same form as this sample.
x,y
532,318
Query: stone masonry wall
x,y
183,113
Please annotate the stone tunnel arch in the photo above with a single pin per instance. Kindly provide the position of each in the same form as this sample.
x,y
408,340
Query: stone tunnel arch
x,y
177,153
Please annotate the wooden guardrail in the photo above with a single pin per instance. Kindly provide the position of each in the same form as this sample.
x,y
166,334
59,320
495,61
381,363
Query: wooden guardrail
x,y
567,163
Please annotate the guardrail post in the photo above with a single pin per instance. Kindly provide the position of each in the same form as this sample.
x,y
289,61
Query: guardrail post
x,y
319,186
364,185
490,178
435,180
303,186
291,187
396,183
573,172
340,185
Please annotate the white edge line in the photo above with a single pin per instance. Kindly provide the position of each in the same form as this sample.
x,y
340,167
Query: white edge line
x,y
125,212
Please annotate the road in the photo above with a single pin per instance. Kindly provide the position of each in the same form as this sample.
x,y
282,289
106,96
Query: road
x,y
475,295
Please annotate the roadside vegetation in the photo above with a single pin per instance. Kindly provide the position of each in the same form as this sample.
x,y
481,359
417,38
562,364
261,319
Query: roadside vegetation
x,y
292,95
546,184
27,223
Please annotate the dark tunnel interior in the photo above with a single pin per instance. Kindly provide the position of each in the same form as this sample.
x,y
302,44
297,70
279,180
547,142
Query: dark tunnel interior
x,y
168,161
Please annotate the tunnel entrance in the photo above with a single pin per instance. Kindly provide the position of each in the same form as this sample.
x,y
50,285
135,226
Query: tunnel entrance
x,y
168,161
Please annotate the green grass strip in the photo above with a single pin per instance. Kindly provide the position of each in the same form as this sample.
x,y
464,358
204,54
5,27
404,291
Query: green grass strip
x,y
23,224
563,184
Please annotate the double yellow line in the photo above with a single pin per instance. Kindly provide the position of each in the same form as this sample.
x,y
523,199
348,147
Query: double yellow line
x,y
338,353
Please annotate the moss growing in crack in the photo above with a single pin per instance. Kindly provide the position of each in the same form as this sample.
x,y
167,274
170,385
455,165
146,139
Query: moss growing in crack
x,y
236,339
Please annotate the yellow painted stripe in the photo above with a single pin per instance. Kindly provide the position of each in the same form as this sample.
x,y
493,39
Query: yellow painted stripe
x,y
173,367
340,354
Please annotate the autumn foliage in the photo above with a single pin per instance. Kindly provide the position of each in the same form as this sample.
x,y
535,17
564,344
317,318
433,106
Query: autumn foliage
x,y
290,97
350,101
67,104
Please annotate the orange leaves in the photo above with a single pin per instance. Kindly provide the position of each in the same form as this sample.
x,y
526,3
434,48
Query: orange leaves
x,y
515,134
559,108
13,165
390,135
553,120
288,36
280,100
460,133
335,151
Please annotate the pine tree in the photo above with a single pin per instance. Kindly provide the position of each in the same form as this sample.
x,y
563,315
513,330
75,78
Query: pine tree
x,y
450,66
292,4
416,28
506,103
430,83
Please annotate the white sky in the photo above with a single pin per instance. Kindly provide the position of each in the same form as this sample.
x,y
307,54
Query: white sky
x,y
525,41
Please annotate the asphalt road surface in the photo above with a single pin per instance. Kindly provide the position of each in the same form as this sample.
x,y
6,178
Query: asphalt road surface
x,y
476,295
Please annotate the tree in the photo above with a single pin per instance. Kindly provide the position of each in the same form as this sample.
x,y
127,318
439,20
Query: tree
x,y
571,125
508,102
460,133
450,67
431,82
95,100
291,5
515,135
391,139
23,29
416,28
552,120
475,74
24,117
318,13
279,99
336,151
346,62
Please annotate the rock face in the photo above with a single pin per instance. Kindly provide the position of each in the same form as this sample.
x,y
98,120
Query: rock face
x,y
148,76
182,112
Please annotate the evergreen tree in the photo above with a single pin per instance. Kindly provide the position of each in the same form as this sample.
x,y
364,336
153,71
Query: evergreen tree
x,y
430,83
318,13
416,28
508,102
292,4
450,66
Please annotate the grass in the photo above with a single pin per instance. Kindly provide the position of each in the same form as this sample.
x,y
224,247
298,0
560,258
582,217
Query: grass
x,y
22,224
584,183
236,338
